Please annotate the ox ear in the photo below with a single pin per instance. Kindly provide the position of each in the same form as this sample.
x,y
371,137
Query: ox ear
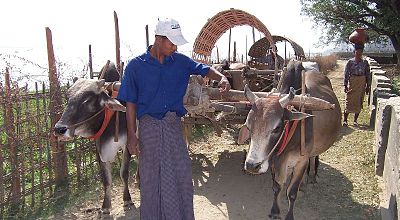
x,y
101,82
244,134
295,116
249,94
115,105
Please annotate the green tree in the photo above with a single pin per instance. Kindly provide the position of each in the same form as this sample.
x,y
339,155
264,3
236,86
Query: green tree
x,y
339,18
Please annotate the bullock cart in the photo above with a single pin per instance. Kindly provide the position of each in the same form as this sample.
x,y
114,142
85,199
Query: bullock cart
x,y
220,111
257,75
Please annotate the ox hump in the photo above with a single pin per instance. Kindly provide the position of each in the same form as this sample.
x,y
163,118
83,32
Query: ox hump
x,y
86,85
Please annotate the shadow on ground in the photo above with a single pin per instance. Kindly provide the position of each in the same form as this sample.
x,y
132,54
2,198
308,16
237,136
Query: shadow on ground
x,y
237,196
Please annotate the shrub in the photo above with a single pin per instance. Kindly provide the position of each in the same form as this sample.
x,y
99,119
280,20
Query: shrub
x,y
326,63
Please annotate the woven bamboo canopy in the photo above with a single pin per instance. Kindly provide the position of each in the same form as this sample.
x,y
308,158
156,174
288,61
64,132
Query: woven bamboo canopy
x,y
260,47
218,25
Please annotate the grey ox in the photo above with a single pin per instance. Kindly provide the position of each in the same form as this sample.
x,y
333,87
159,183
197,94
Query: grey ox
x,y
84,116
265,125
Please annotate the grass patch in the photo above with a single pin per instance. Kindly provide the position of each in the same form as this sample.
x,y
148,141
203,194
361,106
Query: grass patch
x,y
396,85
201,131
74,195
394,75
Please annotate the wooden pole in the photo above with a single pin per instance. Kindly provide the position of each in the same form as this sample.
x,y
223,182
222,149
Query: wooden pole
x,y
254,36
234,51
2,149
58,149
119,68
246,50
147,36
117,44
217,54
303,125
285,55
90,62
229,46
39,145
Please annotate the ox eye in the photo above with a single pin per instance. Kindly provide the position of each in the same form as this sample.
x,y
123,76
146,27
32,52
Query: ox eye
x,y
88,101
277,129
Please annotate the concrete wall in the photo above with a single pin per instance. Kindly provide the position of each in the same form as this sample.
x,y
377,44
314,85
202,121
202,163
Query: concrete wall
x,y
385,118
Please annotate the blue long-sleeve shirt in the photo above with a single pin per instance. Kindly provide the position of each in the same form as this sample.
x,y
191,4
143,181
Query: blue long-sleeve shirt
x,y
157,88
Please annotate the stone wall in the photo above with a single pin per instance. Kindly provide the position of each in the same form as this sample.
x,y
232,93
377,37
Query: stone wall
x,y
385,118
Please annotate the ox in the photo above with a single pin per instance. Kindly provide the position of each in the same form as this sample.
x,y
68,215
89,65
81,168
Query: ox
x,y
266,125
87,108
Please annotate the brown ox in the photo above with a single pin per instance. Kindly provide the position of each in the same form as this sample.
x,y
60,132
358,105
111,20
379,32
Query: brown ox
x,y
265,125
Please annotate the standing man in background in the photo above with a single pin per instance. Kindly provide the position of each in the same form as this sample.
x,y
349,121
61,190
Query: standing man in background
x,y
153,88
357,82
270,59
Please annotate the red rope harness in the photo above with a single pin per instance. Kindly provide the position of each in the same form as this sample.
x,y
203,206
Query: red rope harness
x,y
107,117
287,135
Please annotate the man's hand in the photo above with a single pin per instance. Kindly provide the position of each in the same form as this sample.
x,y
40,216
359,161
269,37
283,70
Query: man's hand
x,y
133,145
346,89
224,85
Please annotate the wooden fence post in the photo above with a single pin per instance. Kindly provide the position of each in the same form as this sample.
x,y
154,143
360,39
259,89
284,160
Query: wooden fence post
x,y
90,62
11,139
58,149
147,36
117,44
2,98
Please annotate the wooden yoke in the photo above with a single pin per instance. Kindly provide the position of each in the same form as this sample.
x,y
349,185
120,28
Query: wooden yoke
x,y
303,127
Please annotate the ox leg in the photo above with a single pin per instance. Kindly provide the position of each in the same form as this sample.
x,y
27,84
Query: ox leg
x,y
313,170
275,210
294,185
278,178
105,173
124,173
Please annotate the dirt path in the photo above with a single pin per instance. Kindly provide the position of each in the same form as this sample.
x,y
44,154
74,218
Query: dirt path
x,y
346,187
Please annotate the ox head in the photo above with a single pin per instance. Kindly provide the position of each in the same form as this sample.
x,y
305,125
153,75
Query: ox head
x,y
86,101
264,125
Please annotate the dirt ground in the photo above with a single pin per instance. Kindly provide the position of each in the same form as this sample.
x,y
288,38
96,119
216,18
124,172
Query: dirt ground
x,y
346,187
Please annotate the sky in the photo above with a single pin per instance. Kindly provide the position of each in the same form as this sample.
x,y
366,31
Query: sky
x,y
77,23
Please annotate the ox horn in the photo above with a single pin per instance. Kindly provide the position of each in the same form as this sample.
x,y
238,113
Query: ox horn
x,y
249,94
285,100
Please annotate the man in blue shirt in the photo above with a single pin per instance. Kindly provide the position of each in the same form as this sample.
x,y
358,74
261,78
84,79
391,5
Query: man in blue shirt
x,y
153,88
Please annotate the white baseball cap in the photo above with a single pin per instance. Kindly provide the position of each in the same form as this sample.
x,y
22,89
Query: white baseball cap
x,y
171,29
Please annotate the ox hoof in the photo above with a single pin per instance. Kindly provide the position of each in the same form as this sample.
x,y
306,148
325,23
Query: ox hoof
x,y
104,212
312,180
128,205
274,216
